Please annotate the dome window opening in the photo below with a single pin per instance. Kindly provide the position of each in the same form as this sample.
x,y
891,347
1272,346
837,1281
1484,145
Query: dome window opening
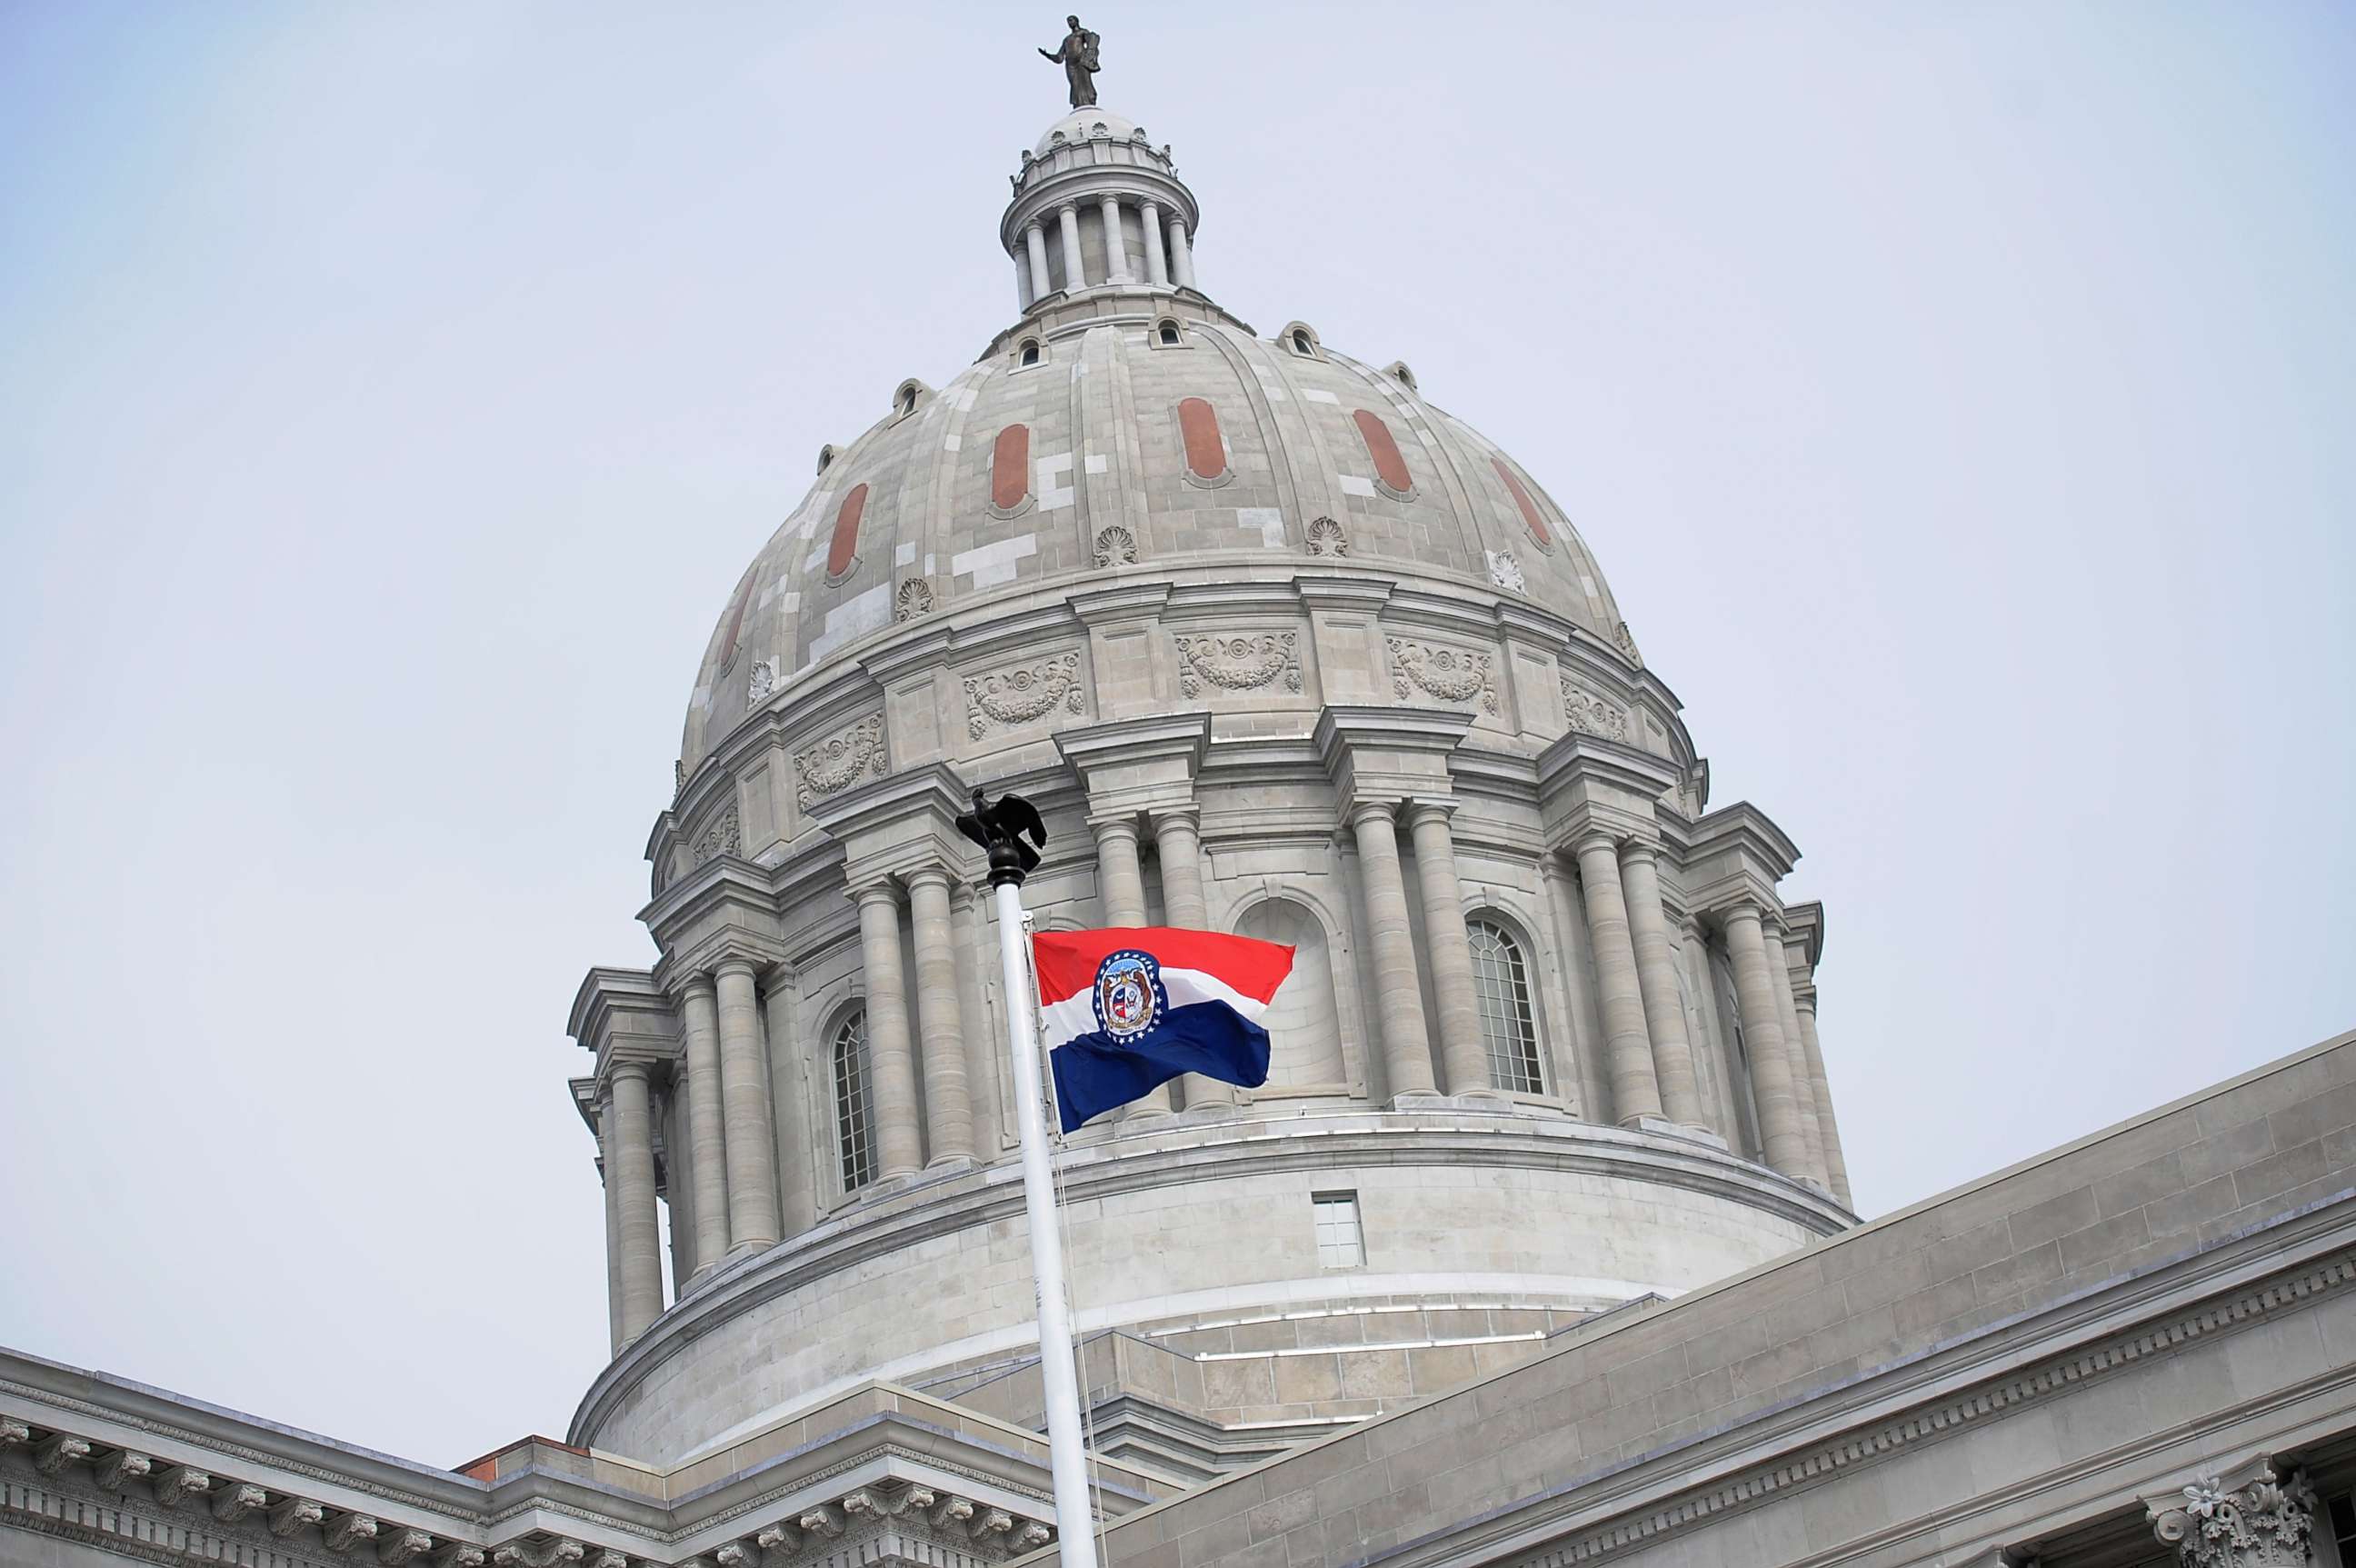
x,y
854,1117
1028,355
1300,346
1166,334
907,401
825,457
1501,981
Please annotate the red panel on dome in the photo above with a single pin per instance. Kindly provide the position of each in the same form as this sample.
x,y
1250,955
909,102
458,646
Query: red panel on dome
x,y
737,620
1522,498
1010,467
845,548
1390,467
1206,454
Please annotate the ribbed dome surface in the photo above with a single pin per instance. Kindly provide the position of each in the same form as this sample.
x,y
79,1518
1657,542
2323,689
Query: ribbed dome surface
x,y
1220,444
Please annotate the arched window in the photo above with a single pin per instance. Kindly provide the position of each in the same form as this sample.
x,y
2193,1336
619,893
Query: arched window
x,y
1501,980
1167,331
1301,345
1030,351
907,400
853,1124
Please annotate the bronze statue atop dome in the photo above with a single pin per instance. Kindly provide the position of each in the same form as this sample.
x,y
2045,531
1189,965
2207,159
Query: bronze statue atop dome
x,y
1077,55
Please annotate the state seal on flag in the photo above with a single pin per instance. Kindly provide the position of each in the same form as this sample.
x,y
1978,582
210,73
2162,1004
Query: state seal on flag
x,y
1130,998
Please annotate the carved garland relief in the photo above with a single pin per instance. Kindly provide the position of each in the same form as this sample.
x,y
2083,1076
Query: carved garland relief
x,y
840,760
1591,714
725,835
1239,663
1450,674
1006,699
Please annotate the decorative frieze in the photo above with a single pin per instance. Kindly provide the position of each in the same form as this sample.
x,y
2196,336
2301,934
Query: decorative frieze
x,y
1327,538
1591,714
1450,674
1007,699
2264,1523
841,760
1239,663
1115,546
723,836
915,598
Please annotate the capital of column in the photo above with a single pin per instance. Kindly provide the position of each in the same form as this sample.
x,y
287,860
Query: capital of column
x,y
1426,807
1639,849
1188,812
1034,227
624,1072
879,891
2248,1517
699,982
928,877
1368,810
1595,837
1121,826
736,963
1067,210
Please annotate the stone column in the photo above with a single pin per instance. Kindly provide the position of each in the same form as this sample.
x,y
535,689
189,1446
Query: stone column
x,y
1116,243
1183,904
985,1041
1463,1054
1181,259
1836,1164
788,1087
633,1172
1034,240
1021,283
1656,977
1075,274
1804,1088
610,1165
1627,1044
898,1150
1762,1031
745,1110
1121,885
707,1139
948,1108
1157,271
1398,996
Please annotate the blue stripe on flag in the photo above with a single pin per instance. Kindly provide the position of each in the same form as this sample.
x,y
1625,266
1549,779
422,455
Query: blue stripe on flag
x,y
1094,1073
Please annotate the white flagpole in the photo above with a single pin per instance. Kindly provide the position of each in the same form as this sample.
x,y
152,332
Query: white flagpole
x,y
1068,1457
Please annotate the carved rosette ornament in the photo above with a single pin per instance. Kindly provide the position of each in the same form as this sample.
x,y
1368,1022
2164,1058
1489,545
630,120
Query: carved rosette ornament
x,y
1006,699
841,760
1591,714
2262,1523
915,598
1115,547
725,835
1447,673
1326,537
1239,663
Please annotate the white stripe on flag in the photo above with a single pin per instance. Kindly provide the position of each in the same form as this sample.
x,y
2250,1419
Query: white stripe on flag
x,y
1076,1015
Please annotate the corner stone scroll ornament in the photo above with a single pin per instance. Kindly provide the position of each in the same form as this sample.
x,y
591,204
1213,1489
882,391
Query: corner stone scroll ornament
x,y
1115,547
1591,714
837,761
1239,663
555,1553
1008,698
1506,572
915,598
1443,673
1327,538
2262,1523
725,836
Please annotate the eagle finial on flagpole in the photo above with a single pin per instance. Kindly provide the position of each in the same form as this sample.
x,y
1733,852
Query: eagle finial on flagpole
x,y
999,829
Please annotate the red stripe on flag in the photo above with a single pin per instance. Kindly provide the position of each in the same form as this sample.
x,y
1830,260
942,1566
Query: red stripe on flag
x,y
1068,961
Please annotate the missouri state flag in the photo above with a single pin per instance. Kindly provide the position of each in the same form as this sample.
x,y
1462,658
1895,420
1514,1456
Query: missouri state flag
x,y
1124,1010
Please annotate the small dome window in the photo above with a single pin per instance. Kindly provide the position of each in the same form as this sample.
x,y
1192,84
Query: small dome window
x,y
825,457
1400,372
1302,339
1303,346
1028,353
907,400
1166,334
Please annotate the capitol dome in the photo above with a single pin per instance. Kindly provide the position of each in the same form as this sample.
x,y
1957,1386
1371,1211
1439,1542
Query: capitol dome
x,y
1277,647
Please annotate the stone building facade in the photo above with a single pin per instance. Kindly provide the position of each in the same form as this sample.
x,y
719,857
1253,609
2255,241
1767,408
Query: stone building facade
x,y
1537,1246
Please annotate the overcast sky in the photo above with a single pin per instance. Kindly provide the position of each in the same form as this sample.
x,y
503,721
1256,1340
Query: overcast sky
x,y
1961,399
